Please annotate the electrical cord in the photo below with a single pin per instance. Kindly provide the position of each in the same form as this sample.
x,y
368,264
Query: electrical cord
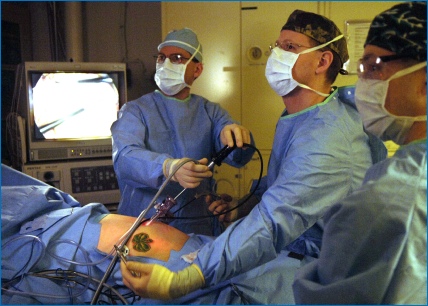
x,y
69,277
35,239
84,251
46,250
246,198
50,251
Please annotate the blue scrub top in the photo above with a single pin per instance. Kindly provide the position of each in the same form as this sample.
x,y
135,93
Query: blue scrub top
x,y
374,244
319,156
156,127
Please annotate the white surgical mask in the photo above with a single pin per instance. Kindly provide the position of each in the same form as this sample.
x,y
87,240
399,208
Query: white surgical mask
x,y
279,69
170,77
370,97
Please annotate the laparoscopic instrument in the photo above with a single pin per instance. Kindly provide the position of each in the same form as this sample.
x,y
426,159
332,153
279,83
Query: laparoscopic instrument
x,y
162,210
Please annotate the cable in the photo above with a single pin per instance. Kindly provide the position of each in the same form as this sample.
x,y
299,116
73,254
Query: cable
x,y
47,249
67,276
35,238
135,225
229,210
83,250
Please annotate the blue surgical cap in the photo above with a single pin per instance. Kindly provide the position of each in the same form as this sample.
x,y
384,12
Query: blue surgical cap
x,y
185,39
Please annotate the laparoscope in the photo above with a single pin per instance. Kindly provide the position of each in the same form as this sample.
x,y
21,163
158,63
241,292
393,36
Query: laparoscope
x,y
162,210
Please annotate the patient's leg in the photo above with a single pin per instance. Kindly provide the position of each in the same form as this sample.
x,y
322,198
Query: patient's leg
x,y
154,241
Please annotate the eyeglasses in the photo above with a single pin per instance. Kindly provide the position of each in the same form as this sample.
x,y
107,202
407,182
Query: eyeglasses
x,y
287,46
174,58
371,67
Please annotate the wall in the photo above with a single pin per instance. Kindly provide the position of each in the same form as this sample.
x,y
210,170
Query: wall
x,y
112,32
126,32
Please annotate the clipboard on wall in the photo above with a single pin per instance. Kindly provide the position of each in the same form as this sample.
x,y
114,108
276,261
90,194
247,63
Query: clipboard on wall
x,y
355,32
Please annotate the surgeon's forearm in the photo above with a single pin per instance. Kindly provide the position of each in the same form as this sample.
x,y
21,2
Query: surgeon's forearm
x,y
246,244
158,282
186,281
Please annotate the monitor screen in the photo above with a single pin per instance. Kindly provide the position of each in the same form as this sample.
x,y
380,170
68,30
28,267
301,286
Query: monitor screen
x,y
69,108
74,105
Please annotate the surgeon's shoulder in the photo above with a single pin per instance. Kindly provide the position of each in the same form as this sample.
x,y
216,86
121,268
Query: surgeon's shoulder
x,y
143,102
213,108
194,98
405,172
411,160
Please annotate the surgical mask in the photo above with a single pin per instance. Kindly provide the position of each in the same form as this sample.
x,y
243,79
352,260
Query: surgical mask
x,y
370,97
170,77
279,69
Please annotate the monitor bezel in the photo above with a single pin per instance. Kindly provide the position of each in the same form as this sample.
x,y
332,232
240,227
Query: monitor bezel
x,y
66,149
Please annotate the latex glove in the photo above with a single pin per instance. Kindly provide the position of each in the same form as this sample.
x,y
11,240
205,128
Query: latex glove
x,y
158,282
242,135
217,207
190,174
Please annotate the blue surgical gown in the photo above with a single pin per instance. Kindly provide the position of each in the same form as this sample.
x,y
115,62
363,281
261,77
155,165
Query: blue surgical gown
x,y
319,156
156,127
374,248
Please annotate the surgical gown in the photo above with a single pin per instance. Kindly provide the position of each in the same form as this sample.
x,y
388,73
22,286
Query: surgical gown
x,y
156,127
319,156
374,249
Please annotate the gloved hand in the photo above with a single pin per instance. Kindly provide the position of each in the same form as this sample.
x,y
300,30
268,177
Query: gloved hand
x,y
190,174
241,207
217,207
158,282
242,135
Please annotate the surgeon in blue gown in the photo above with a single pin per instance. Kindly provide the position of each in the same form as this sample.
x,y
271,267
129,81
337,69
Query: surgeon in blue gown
x,y
154,132
374,248
319,156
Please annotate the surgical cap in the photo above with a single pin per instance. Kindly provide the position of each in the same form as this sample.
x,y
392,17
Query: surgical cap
x,y
318,28
185,39
402,29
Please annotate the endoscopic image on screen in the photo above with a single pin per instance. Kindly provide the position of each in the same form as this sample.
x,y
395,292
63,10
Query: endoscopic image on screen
x,y
74,105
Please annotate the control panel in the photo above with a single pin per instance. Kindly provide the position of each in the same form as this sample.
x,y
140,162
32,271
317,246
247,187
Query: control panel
x,y
88,181
99,151
70,153
93,179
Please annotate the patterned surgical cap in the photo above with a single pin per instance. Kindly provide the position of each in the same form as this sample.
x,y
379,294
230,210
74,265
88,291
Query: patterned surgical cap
x,y
318,28
402,29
